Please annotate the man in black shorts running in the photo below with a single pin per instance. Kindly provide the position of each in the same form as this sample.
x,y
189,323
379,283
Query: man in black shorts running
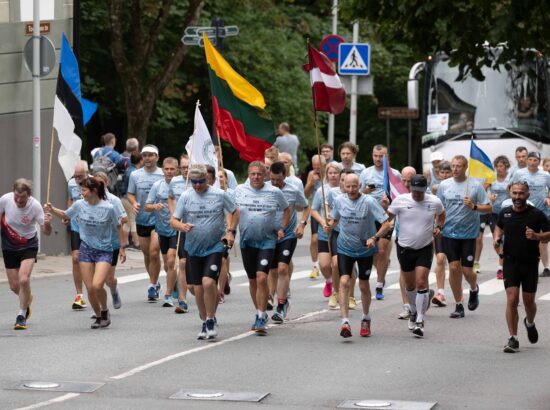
x,y
523,227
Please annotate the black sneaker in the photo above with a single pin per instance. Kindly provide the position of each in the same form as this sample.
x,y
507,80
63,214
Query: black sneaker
x,y
512,346
105,319
473,300
412,321
97,323
545,273
458,313
20,323
270,302
418,330
532,332
278,316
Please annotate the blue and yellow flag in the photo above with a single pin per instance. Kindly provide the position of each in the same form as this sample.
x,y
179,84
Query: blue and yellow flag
x,y
480,165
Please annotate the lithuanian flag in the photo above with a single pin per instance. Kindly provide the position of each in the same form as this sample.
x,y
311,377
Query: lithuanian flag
x,y
238,108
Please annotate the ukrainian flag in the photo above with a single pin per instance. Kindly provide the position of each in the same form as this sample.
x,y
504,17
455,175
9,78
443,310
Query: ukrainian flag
x,y
480,165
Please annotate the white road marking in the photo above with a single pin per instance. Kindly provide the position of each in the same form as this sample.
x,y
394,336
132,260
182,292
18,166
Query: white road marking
x,y
545,297
295,276
55,400
489,287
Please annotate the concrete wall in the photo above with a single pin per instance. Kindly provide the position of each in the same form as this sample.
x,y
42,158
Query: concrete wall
x,y
16,140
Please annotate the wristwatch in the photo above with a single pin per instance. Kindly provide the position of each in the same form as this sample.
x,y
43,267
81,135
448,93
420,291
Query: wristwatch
x,y
439,227
233,231
375,238
475,207
303,223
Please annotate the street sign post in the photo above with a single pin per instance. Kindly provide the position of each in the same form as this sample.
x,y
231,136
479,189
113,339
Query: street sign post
x,y
329,46
47,56
193,34
354,59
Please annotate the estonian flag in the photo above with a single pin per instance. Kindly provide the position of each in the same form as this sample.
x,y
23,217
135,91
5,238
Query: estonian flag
x,y
480,165
71,112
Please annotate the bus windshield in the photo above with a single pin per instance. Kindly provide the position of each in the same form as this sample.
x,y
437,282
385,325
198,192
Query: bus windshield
x,y
513,100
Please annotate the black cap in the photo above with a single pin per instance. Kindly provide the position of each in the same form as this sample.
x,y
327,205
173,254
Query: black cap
x,y
419,183
534,154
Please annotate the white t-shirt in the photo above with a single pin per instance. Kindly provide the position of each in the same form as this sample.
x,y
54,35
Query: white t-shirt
x,y
22,220
416,219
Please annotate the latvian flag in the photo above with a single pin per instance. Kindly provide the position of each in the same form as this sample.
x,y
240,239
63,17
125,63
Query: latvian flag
x,y
71,111
328,92
392,184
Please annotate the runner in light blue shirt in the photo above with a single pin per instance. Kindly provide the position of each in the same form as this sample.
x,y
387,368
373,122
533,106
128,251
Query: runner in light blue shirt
x,y
202,211
258,204
538,180
356,214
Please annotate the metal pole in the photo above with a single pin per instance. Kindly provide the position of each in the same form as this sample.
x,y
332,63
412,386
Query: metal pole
x,y
353,110
334,31
36,100
409,142
388,134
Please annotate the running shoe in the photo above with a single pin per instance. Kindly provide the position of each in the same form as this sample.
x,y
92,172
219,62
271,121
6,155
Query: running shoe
x,y
152,294
20,323
93,316
412,321
345,330
270,302
97,323
260,326
379,293
458,313
333,301
253,327
211,331
405,313
314,274
418,330
286,308
352,304
439,300
500,274
365,328
203,332
157,288
512,346
28,313
182,307
79,303
117,302
532,332
105,319
175,292
545,273
168,301
327,291
226,287
278,317
477,267
473,300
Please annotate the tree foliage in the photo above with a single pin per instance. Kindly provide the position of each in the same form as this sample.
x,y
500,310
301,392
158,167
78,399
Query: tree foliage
x,y
462,29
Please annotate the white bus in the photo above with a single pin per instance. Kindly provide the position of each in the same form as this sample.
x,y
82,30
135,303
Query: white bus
x,y
506,110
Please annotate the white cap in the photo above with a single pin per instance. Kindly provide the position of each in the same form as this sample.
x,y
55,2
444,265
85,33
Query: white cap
x,y
436,156
150,148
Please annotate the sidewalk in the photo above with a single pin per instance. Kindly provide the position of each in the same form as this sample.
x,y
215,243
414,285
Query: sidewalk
x,y
61,265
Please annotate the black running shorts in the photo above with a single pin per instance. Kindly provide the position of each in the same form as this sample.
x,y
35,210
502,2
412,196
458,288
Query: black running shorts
x,y
462,250
75,241
322,246
256,260
144,231
167,242
182,253
522,273
487,220
283,252
345,266
13,259
314,226
116,252
410,258
197,267
388,235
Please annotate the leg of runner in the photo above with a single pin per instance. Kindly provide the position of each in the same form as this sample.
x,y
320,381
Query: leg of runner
x,y
87,269
439,298
272,283
471,278
326,270
352,302
154,259
406,312
410,292
422,299
102,271
543,250
25,295
382,263
529,320
313,252
455,280
345,268
512,301
169,260
209,286
333,300
479,248
364,266
283,283
183,306
79,302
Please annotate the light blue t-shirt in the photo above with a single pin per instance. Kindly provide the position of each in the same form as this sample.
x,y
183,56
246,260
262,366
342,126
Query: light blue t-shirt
x,y
231,180
75,195
139,185
294,197
258,210
500,189
295,181
96,223
461,222
371,175
120,213
178,185
357,224
159,195
356,167
317,205
539,182
206,211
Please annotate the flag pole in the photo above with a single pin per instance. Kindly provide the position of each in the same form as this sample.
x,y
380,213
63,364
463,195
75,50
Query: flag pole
x,y
467,176
323,167
50,169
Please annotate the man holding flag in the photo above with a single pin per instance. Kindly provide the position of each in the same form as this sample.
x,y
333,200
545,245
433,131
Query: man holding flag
x,y
463,198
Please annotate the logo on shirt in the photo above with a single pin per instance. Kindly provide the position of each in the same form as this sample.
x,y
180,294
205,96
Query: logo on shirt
x,y
25,220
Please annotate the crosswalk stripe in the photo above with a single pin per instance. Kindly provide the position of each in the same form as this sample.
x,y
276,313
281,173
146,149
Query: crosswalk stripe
x,y
489,287
295,276
545,297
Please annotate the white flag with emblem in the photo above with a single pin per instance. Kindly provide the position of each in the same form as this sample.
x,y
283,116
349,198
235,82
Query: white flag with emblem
x,y
200,147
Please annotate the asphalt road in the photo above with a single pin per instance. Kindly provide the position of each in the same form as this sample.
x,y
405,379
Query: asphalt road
x,y
149,353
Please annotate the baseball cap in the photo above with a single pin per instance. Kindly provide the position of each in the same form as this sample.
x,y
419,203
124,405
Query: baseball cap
x,y
534,154
150,148
418,183
436,156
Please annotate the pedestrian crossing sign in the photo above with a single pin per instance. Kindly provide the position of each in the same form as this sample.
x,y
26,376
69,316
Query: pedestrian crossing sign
x,y
354,59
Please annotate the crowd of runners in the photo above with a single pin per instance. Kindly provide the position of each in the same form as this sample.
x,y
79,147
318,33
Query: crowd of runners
x,y
185,219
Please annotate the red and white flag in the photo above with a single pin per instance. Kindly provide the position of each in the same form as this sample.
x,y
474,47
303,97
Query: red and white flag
x,y
328,92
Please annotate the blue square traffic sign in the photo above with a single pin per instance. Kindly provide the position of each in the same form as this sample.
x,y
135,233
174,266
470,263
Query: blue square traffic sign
x,y
354,59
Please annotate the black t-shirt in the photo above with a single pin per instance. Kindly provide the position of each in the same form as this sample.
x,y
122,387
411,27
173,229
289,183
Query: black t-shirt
x,y
514,224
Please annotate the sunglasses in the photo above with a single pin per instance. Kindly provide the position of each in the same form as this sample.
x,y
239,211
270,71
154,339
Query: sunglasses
x,y
198,181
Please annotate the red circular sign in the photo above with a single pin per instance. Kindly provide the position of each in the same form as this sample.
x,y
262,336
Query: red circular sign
x,y
329,46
